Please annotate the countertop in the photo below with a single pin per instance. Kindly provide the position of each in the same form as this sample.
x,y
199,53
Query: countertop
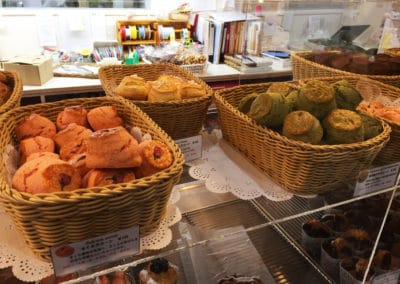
x,y
213,73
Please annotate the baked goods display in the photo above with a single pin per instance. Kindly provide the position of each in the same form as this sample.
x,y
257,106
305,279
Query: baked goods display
x,y
165,88
357,267
159,271
317,112
379,64
93,149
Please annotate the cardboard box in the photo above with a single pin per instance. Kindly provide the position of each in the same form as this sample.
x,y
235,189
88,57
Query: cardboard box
x,y
33,70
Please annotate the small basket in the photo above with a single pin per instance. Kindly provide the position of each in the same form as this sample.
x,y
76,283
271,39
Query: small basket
x,y
195,68
390,153
303,67
179,119
52,219
297,167
14,100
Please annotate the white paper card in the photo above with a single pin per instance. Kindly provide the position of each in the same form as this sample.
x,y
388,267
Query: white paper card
x,y
191,147
377,179
46,30
81,255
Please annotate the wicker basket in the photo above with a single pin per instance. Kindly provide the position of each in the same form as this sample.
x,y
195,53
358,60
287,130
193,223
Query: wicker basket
x,y
298,167
179,119
14,100
303,67
390,153
53,219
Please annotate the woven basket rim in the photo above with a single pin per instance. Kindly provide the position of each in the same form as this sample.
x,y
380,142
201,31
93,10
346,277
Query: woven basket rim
x,y
81,194
300,57
218,95
16,94
165,65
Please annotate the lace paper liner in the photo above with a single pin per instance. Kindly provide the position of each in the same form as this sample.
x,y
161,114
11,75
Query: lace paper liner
x,y
225,170
27,267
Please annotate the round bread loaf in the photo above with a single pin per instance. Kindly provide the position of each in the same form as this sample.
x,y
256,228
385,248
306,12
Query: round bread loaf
x,y
245,103
72,114
133,87
104,117
346,95
35,125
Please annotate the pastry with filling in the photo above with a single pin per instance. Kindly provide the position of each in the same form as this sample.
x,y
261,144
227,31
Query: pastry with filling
x,y
191,90
104,177
133,87
302,126
159,271
245,103
155,155
343,126
346,95
104,117
112,148
316,97
72,114
35,125
163,91
269,109
35,144
46,175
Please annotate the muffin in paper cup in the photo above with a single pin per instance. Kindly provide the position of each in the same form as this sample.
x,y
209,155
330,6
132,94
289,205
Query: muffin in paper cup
x,y
337,222
361,241
352,271
332,252
313,233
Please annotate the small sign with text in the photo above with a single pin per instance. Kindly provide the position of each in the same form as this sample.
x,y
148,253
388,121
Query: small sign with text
x,y
91,252
191,147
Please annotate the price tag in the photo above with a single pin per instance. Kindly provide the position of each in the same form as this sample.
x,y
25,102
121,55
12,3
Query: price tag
x,y
95,251
191,147
377,179
387,278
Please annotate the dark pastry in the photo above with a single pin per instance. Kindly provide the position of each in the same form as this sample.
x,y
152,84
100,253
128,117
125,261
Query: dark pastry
x,y
338,248
159,271
346,95
336,221
359,238
357,267
316,229
245,103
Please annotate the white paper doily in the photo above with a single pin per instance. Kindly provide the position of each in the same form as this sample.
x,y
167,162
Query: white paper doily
x,y
27,267
225,170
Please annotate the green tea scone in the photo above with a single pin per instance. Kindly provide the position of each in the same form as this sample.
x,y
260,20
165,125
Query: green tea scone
x,y
346,95
269,109
279,87
302,125
291,99
372,126
245,102
316,97
343,126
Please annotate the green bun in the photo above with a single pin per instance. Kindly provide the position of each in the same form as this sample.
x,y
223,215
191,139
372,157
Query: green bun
x,y
279,87
346,95
316,97
245,102
372,126
303,126
269,109
343,126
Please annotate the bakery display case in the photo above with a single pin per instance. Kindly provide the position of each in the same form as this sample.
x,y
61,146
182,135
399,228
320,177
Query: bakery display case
x,y
227,220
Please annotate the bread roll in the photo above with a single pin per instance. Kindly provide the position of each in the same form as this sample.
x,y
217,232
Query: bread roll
x,y
35,125
133,87
346,95
72,140
163,91
104,117
112,148
245,103
72,114
191,90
